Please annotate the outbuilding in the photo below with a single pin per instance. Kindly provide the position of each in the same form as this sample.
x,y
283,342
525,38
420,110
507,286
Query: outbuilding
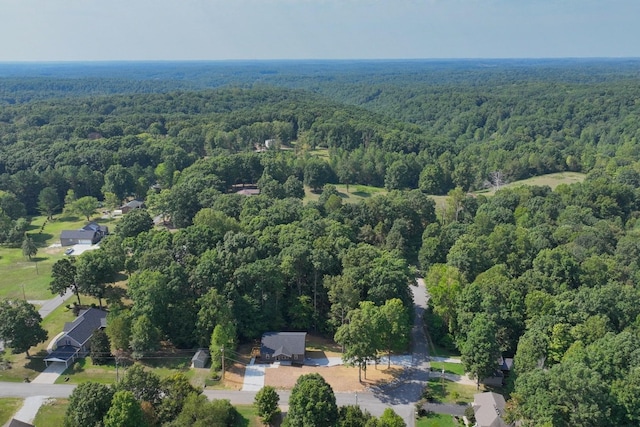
x,y
200,359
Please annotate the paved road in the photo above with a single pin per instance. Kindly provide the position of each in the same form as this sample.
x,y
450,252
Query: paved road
x,y
400,395
53,303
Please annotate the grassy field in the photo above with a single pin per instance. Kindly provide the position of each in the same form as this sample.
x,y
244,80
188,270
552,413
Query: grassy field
x,y
51,414
30,278
436,420
355,194
84,370
552,180
450,368
8,407
450,392
248,416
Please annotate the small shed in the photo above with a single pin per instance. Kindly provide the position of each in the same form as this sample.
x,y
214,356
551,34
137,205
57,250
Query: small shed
x,y
200,359
289,346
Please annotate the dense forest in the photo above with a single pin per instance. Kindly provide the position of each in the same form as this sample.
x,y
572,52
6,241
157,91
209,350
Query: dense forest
x,y
549,277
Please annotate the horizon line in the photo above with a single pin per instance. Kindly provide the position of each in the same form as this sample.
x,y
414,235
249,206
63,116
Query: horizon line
x,y
435,59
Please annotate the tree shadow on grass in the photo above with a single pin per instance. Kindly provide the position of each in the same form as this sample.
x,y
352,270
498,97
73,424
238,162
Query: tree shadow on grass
x,y
362,194
436,391
241,421
41,239
36,362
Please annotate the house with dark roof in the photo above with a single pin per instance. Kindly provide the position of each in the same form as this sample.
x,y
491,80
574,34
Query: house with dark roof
x,y
73,342
129,206
488,409
90,234
17,423
288,346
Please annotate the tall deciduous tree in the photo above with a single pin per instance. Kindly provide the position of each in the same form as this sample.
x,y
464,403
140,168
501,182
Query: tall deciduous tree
x,y
20,327
88,404
360,336
389,418
223,340
134,223
312,403
125,411
174,392
94,270
394,326
480,350
266,402
63,274
119,181
199,412
85,206
100,347
145,337
144,385
48,201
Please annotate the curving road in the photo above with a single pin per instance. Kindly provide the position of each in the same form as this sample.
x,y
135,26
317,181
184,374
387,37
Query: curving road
x,y
402,394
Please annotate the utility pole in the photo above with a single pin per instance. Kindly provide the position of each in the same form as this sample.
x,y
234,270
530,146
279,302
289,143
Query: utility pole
x,y
222,351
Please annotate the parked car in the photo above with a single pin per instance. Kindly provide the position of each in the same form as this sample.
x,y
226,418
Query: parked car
x,y
68,251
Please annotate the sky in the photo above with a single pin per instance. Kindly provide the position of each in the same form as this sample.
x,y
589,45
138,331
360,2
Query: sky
x,y
105,30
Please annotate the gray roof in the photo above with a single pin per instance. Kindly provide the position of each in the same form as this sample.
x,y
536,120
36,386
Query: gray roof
x,y
77,234
489,408
506,363
201,355
85,325
134,204
283,343
18,423
94,226
62,354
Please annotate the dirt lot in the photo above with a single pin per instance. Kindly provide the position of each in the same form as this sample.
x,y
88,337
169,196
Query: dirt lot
x,y
341,378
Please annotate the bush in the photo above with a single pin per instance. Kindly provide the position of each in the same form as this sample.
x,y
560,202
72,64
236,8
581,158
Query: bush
x,y
470,414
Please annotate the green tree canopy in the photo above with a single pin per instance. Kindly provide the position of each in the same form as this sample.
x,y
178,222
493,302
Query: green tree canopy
x,y
88,404
85,206
20,327
133,223
266,403
480,349
312,403
125,411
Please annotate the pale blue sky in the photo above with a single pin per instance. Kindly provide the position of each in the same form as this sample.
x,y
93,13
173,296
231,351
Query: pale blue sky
x,y
87,30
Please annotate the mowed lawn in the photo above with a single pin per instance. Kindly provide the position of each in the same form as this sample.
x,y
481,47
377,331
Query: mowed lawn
x,y
449,368
52,413
8,407
22,277
436,420
355,194
445,391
